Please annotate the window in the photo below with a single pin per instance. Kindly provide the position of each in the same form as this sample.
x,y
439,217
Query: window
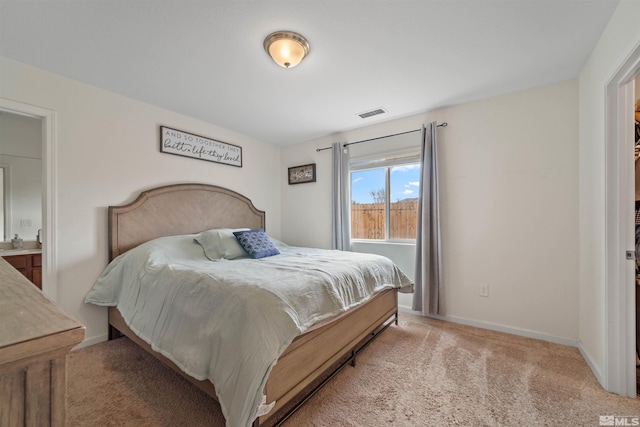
x,y
384,198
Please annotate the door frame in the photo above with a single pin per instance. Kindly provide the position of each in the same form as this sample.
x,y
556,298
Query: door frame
x,y
49,247
619,293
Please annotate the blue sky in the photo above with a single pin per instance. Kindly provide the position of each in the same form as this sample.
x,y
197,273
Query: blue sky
x,y
404,183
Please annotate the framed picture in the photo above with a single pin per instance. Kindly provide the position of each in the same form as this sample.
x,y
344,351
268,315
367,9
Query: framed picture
x,y
302,174
186,144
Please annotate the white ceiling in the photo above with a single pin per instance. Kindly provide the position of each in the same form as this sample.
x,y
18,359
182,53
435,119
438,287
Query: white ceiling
x,y
205,59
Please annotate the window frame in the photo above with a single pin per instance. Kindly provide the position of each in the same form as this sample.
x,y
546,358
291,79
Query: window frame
x,y
389,162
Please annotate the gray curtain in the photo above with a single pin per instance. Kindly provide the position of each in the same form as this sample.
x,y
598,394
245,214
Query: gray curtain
x,y
341,218
428,296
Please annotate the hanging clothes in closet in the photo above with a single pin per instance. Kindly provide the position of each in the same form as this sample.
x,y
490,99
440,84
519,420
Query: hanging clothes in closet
x,y
637,167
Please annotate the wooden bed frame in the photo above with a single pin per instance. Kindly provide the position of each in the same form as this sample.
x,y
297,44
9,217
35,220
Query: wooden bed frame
x,y
313,357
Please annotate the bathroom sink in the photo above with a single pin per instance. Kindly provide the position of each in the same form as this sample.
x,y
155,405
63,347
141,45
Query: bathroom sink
x,y
14,251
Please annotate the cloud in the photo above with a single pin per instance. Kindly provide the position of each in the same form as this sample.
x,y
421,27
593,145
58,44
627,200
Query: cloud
x,y
415,183
357,180
405,168
407,192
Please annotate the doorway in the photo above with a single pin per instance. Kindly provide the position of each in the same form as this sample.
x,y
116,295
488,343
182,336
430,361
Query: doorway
x,y
619,374
48,122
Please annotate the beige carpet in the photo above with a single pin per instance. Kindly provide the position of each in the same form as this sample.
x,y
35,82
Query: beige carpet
x,y
423,372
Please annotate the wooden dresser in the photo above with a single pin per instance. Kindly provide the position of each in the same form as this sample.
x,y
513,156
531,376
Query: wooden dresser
x,y
35,338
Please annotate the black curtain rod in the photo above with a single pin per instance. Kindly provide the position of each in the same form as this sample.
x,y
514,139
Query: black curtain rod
x,y
444,125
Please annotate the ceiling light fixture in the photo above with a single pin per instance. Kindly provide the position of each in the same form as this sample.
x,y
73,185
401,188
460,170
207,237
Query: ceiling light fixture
x,y
286,48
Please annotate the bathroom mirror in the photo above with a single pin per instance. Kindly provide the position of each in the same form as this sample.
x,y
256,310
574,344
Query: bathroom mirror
x,y
2,204
20,175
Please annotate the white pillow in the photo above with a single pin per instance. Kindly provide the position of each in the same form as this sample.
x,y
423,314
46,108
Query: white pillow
x,y
277,243
220,243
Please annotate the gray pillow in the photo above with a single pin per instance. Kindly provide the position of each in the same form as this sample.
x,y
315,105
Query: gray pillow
x,y
221,243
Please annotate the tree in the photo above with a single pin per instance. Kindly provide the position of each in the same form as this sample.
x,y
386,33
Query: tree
x,y
378,196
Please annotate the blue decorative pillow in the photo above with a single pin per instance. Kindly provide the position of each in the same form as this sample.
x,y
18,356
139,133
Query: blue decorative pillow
x,y
256,243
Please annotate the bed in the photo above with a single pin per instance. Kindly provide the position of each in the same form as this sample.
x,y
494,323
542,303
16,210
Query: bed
x,y
321,345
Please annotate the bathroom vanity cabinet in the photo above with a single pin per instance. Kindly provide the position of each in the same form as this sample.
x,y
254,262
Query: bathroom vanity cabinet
x,y
29,264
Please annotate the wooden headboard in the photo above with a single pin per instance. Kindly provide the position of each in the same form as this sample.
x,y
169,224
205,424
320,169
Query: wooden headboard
x,y
178,209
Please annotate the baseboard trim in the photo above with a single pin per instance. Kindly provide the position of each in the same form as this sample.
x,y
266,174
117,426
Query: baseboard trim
x,y
93,340
498,328
587,357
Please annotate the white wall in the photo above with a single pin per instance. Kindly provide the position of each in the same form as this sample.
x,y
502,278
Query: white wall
x,y
107,152
621,35
509,186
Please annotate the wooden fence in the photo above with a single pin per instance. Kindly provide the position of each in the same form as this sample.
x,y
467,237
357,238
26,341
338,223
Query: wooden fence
x,y
367,220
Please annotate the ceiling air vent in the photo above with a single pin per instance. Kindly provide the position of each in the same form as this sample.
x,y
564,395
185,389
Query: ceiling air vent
x,y
372,113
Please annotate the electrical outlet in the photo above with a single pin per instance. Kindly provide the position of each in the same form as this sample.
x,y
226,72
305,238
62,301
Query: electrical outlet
x,y
484,290
25,222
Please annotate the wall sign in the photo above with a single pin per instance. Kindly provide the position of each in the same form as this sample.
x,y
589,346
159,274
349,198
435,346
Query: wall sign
x,y
185,144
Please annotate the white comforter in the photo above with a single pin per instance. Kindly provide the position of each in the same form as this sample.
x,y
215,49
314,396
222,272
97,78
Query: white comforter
x,y
229,321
